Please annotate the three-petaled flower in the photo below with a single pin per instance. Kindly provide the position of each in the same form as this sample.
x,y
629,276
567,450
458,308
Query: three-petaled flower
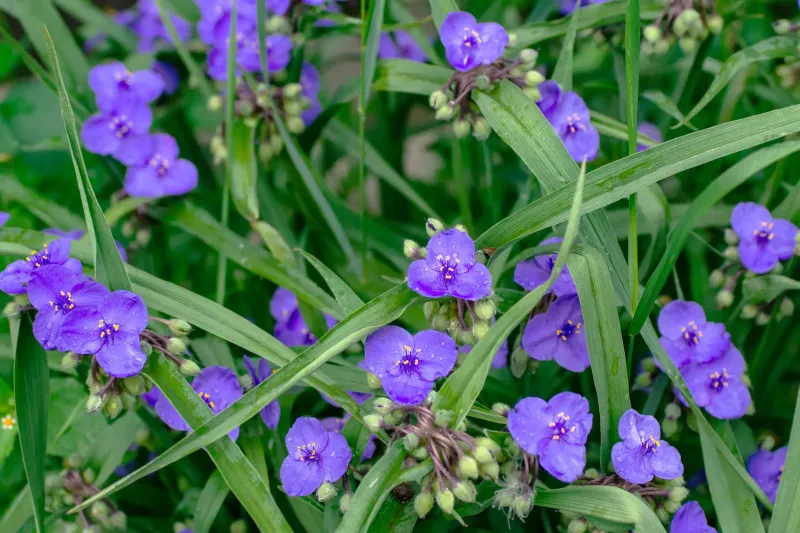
x,y
534,272
162,173
717,385
121,132
469,44
763,240
642,454
766,467
400,45
569,116
687,336
316,456
290,326
558,334
113,83
16,276
406,365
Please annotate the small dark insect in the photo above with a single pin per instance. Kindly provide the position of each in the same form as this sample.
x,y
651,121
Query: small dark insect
x,y
403,493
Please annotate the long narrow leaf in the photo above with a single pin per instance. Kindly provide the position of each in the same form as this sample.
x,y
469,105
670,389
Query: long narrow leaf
x,y
208,505
786,516
563,71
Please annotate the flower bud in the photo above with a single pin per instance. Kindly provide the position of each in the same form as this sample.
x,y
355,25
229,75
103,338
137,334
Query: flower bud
x,y
480,330
731,238
577,525
423,504
483,82
786,307
240,526
782,26
529,56
276,143
749,311
669,427
135,384
179,328
420,454
662,47
688,45
762,319
724,298
412,250
662,514
648,364
466,336
467,467
383,406
189,368
715,24
143,236
176,346
278,25
533,93
99,511
440,323
672,410
373,381
481,129
465,491
678,494
716,279
411,442
11,309
437,99
522,506
326,492
94,403
113,406
295,124
433,226
293,108
461,128
89,476
519,362
430,309
483,455
490,470
652,33
533,78
443,418
430,398
672,507
445,501
292,90
501,409
644,380
214,103
70,360
373,422
485,309
245,381
446,112
141,437
513,38
731,253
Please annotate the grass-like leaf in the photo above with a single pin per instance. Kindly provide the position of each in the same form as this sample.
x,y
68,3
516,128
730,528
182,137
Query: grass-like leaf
x,y
51,213
345,296
786,516
90,14
243,169
210,502
440,9
563,71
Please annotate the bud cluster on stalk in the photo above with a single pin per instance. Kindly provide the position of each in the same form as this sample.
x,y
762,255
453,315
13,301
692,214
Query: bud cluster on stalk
x,y
71,486
681,22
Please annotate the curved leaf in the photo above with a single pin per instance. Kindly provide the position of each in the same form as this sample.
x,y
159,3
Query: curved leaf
x,y
786,516
243,170
346,297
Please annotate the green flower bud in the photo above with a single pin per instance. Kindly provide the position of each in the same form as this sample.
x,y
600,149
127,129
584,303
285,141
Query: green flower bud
x,y
445,500
113,406
724,298
691,16
482,454
94,403
715,24
533,78
716,279
245,381
177,527
672,507
430,398
480,330
465,491
373,381
490,470
652,33
501,409
240,526
74,461
782,26
295,124
276,143
189,368
731,238
278,25
430,309
179,328
669,427
644,380
437,99
519,362
467,467
786,307
533,93
433,226
293,108
383,406
176,346
142,437
749,311
672,410
326,492
412,250
344,501
99,511
461,128
649,364
591,473
440,323
446,112
214,103
423,504
662,514
374,422
485,309
118,520
483,83
443,418
687,44
731,253
70,360
135,384
11,309
292,90
662,47
420,454
513,38
411,442
678,494
89,476
577,525
762,319
522,505
467,337
529,56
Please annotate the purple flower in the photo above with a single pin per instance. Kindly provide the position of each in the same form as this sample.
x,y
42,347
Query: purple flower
x,y
402,46
111,332
337,425
406,365
4,218
121,132
556,431
450,269
500,358
217,386
558,334
534,272
763,240
279,48
690,518
271,414
652,131
718,386
290,327
570,119
114,84
766,467
687,337
76,235
568,6
468,43
56,291
162,173
316,456
168,74
14,279
310,82
278,7
550,92
642,455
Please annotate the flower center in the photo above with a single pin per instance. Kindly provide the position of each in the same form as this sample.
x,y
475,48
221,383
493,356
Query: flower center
x,y
206,397
107,331
447,267
574,123
471,38
307,452
650,444
691,335
39,258
410,361
123,79
559,426
63,303
568,330
718,381
160,163
764,234
121,125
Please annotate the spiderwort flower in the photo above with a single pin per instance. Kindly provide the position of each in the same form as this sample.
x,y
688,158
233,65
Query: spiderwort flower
x,y
162,173
642,455
534,272
406,365
570,119
76,235
558,334
337,425
763,240
310,82
687,337
556,431
290,327
690,518
469,44
14,279
400,45
4,218
56,291
766,467
121,132
110,332
316,456
652,131
217,386
271,414
717,385
114,84
450,269
568,6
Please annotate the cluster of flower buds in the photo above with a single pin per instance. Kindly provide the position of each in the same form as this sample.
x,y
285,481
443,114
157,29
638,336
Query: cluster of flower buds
x,y
452,101
682,23
647,372
70,487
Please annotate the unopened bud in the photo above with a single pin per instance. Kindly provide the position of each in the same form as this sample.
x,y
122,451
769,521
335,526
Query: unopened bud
x,y
430,309
782,26
716,279
481,129
189,368
483,83
143,236
94,403
113,407
295,125
715,24
440,323
501,409
326,492
669,427
11,309
99,511
672,410
467,467
423,504
529,56
374,422
443,418
786,307
240,526
490,470
522,506
383,406
278,25
420,454
437,99
662,514
652,33
445,500
648,364
245,381
485,309
179,328
466,337
749,311
731,238
533,93
577,525
70,360
644,380
762,319
430,398
461,128
412,250
519,362
480,330
135,384
373,381
724,298
483,455
176,346
433,226
688,45
678,494
446,112
465,491
292,90
411,442
672,507
214,103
